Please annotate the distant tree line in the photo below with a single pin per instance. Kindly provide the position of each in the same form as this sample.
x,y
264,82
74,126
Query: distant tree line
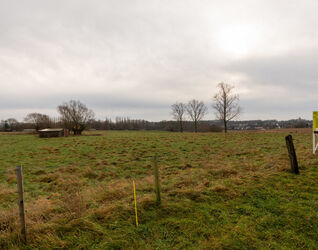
x,y
269,124
120,123
76,117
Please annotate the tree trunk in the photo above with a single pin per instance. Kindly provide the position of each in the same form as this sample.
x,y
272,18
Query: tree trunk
x,y
225,126
195,126
181,126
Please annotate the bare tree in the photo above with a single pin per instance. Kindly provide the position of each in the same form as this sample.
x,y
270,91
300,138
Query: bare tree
x,y
75,116
226,104
13,123
196,111
6,126
178,111
38,120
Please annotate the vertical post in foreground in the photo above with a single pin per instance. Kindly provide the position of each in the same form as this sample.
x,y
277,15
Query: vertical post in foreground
x,y
313,143
292,154
157,185
315,131
135,204
21,201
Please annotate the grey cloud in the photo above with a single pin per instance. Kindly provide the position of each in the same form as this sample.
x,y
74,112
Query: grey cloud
x,y
296,69
136,56
294,75
92,101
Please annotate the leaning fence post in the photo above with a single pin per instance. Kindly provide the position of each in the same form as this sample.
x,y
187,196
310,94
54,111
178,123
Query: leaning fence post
x,y
292,154
157,185
21,201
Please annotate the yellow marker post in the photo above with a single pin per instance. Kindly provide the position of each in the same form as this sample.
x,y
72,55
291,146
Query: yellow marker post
x,y
315,131
135,204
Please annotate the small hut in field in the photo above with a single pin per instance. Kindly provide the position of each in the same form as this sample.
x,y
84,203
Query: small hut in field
x,y
52,132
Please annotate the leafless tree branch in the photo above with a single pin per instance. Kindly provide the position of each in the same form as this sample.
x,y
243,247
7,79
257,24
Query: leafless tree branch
x,y
75,116
226,104
196,111
178,111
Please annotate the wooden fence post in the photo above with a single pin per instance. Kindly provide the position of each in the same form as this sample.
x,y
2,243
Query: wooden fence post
x,y
157,185
21,201
292,154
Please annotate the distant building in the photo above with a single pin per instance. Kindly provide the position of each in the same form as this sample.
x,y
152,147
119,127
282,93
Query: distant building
x,y
52,132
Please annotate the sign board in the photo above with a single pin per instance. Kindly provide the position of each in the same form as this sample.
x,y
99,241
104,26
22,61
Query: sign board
x,y
315,121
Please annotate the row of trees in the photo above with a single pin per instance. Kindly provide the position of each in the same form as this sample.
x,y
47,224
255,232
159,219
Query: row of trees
x,y
120,123
225,105
123,123
76,117
195,109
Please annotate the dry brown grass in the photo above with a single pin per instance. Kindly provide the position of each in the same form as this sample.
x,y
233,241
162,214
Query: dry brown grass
x,y
11,176
8,221
38,217
7,194
113,191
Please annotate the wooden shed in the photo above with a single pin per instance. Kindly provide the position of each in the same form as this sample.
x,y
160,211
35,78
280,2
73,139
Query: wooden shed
x,y
51,132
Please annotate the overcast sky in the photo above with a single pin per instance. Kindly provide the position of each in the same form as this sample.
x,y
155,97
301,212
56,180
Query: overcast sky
x,y
135,58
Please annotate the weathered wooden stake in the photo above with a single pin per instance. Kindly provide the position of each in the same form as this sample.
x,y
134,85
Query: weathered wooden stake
x,y
21,201
292,154
157,185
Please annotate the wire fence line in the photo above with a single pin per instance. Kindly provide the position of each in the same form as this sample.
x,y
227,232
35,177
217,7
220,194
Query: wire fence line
x,y
10,170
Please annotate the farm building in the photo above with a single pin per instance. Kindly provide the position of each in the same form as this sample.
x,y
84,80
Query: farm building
x,y
52,132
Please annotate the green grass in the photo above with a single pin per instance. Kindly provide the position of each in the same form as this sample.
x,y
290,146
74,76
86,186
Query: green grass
x,y
233,193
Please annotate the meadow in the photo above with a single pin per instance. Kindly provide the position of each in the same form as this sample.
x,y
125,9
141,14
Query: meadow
x,y
232,192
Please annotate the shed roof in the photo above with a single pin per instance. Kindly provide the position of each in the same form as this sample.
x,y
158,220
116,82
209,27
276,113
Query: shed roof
x,y
51,130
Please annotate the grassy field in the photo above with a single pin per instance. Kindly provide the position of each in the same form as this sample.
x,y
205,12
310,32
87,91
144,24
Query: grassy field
x,y
235,192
